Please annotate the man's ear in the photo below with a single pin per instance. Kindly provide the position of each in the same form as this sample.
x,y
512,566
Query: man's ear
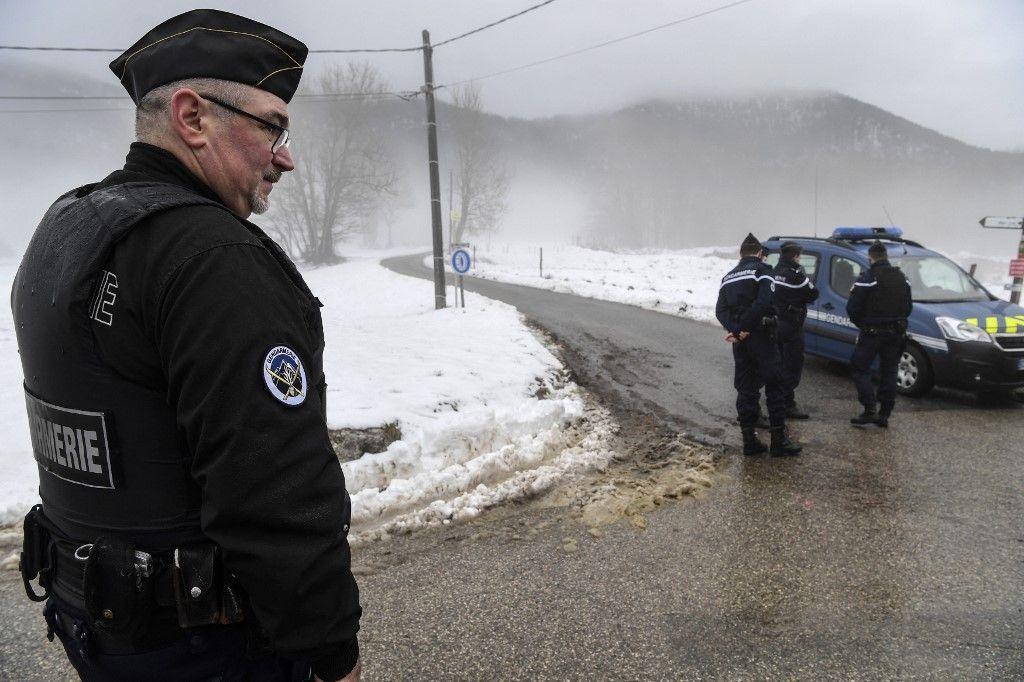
x,y
188,111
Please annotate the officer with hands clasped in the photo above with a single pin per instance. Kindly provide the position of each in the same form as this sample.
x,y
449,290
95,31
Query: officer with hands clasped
x,y
880,302
793,292
194,519
744,309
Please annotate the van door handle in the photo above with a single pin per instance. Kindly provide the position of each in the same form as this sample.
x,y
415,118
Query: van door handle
x,y
828,306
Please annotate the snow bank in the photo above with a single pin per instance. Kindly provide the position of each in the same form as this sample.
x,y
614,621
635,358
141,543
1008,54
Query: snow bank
x,y
18,477
461,382
676,282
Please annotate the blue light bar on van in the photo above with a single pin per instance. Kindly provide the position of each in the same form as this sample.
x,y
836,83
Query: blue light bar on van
x,y
892,232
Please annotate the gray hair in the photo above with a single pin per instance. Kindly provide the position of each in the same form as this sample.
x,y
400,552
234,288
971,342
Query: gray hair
x,y
151,115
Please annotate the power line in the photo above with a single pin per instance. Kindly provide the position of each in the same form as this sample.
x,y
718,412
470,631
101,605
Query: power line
x,y
493,23
599,45
119,50
60,49
368,50
402,94
59,97
75,111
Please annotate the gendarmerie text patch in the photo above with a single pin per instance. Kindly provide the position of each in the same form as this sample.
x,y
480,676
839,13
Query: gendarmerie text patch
x,y
70,444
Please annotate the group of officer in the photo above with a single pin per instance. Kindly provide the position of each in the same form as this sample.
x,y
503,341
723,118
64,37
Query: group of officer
x,y
194,519
763,310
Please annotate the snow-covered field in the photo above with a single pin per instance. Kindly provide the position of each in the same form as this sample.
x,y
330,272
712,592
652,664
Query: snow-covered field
x,y
683,282
675,282
462,385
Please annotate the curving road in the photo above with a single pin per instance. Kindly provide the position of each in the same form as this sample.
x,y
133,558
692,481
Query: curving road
x,y
876,555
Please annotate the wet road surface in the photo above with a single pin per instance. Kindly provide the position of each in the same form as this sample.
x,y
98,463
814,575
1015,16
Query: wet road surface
x,y
892,554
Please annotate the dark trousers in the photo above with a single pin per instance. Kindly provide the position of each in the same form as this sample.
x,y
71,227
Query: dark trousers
x,y
215,653
887,347
757,365
791,354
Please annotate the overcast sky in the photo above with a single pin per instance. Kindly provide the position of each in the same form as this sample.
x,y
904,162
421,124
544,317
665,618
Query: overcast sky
x,y
953,65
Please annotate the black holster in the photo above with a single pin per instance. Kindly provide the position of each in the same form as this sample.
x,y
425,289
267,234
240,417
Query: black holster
x,y
38,555
118,597
205,594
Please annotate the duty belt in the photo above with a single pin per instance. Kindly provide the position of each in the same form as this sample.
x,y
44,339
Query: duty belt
x,y
887,328
135,600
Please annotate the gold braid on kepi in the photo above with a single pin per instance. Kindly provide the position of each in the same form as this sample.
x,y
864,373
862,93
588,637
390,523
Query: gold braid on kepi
x,y
209,43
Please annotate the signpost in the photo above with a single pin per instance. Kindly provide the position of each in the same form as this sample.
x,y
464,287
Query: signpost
x,y
1016,265
461,262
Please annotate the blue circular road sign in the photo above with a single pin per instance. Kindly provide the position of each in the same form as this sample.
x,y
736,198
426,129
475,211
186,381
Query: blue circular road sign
x,y
461,261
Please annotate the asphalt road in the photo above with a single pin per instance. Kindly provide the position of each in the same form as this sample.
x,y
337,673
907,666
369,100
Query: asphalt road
x,y
893,554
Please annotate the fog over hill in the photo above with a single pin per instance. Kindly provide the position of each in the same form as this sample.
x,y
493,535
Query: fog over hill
x,y
658,174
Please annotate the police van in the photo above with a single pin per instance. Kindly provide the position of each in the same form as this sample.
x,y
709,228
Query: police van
x,y
960,335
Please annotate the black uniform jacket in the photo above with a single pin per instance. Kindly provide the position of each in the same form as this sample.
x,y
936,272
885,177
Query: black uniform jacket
x,y
880,296
745,296
793,291
192,308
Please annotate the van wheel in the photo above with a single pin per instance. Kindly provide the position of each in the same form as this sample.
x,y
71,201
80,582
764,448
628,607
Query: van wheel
x,y
914,375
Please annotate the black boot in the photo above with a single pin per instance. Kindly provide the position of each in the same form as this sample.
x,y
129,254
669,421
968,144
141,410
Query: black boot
x,y
883,420
781,445
868,416
794,412
751,443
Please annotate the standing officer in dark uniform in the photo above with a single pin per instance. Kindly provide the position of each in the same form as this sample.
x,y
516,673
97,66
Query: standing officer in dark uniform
x,y
194,518
744,309
793,292
880,302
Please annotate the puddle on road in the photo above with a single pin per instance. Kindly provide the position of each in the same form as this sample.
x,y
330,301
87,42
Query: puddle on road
x,y
653,467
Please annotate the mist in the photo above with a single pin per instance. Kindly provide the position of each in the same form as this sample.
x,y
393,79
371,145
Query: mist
x,y
666,173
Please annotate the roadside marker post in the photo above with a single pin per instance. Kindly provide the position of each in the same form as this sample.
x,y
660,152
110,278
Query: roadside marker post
x,y
1016,265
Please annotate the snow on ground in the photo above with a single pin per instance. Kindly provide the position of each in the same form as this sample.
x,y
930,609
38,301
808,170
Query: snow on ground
x,y
681,282
18,477
462,385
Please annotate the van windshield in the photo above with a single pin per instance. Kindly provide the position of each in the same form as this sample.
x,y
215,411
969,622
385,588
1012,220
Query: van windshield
x,y
934,279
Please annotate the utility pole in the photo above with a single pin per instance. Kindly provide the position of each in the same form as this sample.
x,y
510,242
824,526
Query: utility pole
x,y
435,178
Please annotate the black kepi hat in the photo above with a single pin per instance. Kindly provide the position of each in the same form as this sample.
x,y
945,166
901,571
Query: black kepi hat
x,y
791,249
209,43
750,243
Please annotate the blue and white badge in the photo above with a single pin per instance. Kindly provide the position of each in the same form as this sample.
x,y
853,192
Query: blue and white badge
x,y
285,376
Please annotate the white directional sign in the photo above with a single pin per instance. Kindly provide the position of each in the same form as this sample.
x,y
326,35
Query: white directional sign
x,y
1002,222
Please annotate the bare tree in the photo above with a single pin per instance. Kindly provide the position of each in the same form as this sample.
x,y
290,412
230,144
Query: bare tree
x,y
343,169
481,178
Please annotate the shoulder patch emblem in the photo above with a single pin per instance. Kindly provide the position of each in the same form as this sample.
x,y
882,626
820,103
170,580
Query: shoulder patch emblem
x,y
284,375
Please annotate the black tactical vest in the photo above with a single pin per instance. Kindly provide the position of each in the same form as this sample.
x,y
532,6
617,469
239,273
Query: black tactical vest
x,y
888,301
111,461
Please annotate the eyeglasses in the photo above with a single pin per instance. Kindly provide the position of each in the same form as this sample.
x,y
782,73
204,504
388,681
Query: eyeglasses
x,y
282,139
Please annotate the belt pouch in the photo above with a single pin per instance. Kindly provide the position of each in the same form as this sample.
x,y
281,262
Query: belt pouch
x,y
197,585
117,598
36,556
